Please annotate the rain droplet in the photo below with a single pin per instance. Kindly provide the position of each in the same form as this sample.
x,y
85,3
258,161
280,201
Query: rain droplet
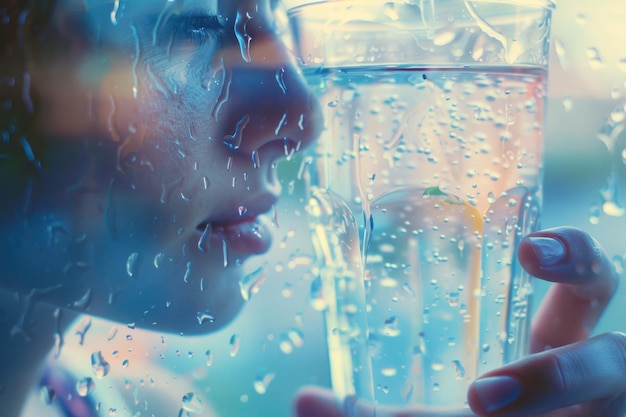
x,y
192,403
262,382
208,355
241,32
99,366
81,329
234,345
204,317
84,386
114,12
296,337
205,233
250,283
187,272
131,264
47,394
280,79
594,58
443,37
234,141
559,48
390,11
568,103
333,103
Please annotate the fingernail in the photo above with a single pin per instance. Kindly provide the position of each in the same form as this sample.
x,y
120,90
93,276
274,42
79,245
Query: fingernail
x,y
548,251
497,392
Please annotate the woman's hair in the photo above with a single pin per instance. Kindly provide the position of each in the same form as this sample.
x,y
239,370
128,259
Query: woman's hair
x,y
20,28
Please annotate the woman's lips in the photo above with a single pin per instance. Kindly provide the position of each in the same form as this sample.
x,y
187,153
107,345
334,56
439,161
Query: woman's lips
x,y
244,237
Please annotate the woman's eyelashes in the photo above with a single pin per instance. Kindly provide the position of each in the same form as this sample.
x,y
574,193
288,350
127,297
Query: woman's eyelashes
x,y
195,30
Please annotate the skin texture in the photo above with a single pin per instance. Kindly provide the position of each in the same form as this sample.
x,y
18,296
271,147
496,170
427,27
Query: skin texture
x,y
567,375
157,138
137,159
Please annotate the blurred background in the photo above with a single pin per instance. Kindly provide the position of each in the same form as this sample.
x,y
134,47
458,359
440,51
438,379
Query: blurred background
x,y
254,366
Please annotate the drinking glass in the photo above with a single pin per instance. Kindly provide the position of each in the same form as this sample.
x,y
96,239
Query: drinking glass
x,y
426,177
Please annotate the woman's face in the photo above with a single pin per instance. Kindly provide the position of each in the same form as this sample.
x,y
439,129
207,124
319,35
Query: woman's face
x,y
161,123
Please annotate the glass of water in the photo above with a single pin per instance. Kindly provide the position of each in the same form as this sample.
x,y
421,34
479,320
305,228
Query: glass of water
x,y
425,179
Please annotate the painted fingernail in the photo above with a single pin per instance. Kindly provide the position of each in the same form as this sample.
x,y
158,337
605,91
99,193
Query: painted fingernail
x,y
497,392
548,251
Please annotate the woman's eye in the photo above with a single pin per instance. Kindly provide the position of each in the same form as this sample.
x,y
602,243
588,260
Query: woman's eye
x,y
196,30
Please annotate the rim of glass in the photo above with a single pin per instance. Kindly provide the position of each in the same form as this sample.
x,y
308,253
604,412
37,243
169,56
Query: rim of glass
x,y
546,4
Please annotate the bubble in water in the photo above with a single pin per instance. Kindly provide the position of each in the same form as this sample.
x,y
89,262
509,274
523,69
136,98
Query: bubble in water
x,y
262,382
84,386
99,365
192,403
390,371
458,369
390,327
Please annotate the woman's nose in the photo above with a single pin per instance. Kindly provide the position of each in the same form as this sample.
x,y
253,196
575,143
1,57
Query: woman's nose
x,y
265,102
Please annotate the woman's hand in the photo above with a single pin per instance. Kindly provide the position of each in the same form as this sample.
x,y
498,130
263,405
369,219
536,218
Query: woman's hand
x,y
567,375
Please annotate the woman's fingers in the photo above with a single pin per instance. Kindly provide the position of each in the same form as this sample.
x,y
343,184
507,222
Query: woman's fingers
x,y
591,372
585,279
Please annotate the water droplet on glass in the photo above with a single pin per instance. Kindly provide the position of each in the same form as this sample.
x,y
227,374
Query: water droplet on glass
x,y
234,141
559,48
390,11
390,327
262,382
333,103
296,337
131,264
204,317
99,366
84,386
234,345
187,272
192,403
241,32
568,103
115,12
443,37
250,283
486,347
280,79
47,394
594,58
208,355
